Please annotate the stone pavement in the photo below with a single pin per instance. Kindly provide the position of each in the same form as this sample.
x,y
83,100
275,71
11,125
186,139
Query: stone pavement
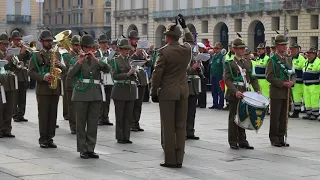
x,y
209,158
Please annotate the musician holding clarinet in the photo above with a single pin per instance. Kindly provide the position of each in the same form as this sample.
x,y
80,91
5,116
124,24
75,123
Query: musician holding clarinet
x,y
237,76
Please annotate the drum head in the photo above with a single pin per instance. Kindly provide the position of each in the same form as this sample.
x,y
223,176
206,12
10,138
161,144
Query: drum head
x,y
255,99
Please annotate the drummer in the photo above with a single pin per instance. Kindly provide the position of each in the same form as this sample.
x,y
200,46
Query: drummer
x,y
236,86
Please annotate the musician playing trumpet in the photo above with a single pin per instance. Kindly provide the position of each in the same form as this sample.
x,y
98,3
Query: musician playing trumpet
x,y
7,86
21,72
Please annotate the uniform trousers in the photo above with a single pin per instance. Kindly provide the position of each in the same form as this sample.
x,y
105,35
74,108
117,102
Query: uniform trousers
x,y
105,105
87,116
20,99
217,93
123,111
72,118
192,109
6,113
236,134
202,98
278,120
137,108
311,98
47,117
173,116
65,105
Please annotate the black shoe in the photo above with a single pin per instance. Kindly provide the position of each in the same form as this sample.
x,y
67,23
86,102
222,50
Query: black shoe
x,y
235,147
57,126
84,155
52,145
212,107
193,137
9,135
170,165
276,144
66,118
122,141
73,132
1,135
179,165
202,107
312,117
134,129
16,120
306,117
295,114
93,155
128,142
24,119
42,145
284,144
140,129
246,146
226,108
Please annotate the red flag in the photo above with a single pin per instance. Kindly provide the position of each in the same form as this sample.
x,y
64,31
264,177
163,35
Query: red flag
x,y
222,85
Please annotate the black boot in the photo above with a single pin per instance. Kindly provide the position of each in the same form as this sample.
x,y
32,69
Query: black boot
x,y
312,117
306,116
295,114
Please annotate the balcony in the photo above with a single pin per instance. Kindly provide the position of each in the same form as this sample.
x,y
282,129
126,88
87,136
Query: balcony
x,y
131,13
18,19
292,6
311,4
220,10
58,10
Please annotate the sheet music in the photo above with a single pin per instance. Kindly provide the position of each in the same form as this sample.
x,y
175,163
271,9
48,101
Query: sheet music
x,y
143,44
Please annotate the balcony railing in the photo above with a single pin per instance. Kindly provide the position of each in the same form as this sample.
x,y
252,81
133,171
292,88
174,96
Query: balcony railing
x,y
18,19
131,13
231,9
311,4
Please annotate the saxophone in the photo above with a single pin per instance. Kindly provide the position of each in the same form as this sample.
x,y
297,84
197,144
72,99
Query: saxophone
x,y
54,71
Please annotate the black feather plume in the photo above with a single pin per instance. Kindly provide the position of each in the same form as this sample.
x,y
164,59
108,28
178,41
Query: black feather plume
x,y
103,32
85,32
265,43
123,36
7,32
239,35
79,32
277,32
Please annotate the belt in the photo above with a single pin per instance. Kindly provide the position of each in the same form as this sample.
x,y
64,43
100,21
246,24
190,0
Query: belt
x,y
88,81
11,73
124,82
193,77
311,81
239,83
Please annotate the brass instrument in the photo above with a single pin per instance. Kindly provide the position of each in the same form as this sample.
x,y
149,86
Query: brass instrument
x,y
145,54
17,63
62,40
30,46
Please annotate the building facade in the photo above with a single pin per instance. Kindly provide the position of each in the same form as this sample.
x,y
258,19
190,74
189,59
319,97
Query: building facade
x,y
19,15
256,21
91,16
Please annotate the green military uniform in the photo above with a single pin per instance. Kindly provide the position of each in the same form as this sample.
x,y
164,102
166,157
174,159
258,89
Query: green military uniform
x,y
7,80
108,84
19,108
143,84
235,82
194,83
70,59
47,98
277,74
124,93
87,97
169,85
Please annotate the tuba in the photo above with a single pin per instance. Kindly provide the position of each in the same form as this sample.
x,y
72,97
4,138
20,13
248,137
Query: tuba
x,y
62,40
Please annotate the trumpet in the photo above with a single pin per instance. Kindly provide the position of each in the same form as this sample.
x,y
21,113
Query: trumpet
x,y
145,54
17,63
31,46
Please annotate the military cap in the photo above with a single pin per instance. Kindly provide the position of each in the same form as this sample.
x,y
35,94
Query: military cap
x,y
173,31
295,45
87,40
16,35
113,42
247,51
75,39
133,34
103,38
312,50
4,38
218,45
238,43
280,39
124,44
261,46
46,35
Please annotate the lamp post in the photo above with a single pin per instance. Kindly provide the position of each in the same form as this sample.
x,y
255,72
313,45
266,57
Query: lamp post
x,y
40,23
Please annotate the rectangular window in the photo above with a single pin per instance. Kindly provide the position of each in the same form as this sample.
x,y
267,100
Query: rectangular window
x,y
144,29
91,17
133,4
120,30
221,3
294,23
205,3
62,19
145,3
55,19
314,22
91,2
49,4
238,25
69,19
293,40
108,17
204,26
56,4
74,18
62,3
314,41
69,3
17,8
49,19
275,23
190,4
81,18
175,4
161,5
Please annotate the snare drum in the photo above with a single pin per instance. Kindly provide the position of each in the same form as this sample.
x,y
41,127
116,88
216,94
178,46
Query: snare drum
x,y
251,110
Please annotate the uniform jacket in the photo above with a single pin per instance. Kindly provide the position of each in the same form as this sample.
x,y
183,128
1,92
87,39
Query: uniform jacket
x,y
235,72
194,80
87,69
8,80
42,58
72,59
169,76
23,72
277,90
123,91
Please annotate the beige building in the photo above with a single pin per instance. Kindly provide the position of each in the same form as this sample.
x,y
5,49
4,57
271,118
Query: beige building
x,y
92,16
220,20
22,15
